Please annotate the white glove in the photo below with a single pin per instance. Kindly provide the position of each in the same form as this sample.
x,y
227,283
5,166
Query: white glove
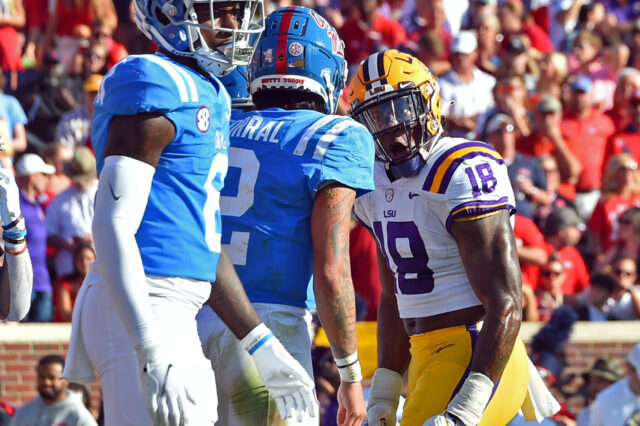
x,y
384,397
9,198
167,398
286,380
443,419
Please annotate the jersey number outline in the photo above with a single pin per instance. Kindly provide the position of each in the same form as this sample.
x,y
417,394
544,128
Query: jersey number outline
x,y
413,276
236,206
211,209
484,174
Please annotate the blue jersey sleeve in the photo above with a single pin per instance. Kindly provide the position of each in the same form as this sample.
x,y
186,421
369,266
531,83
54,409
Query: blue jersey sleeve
x,y
141,84
345,154
16,113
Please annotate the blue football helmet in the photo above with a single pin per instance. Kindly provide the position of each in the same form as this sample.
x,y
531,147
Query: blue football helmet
x,y
299,50
238,88
175,25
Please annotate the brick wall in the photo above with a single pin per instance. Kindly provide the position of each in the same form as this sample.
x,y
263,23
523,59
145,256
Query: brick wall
x,y
21,345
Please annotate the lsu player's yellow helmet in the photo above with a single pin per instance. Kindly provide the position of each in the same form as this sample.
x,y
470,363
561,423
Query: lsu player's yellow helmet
x,y
394,92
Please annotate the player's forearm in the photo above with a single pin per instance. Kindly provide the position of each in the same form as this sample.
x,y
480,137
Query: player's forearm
x,y
394,353
488,251
502,300
336,308
119,208
229,300
333,288
20,284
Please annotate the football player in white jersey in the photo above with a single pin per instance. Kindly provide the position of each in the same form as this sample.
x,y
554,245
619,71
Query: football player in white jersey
x,y
451,294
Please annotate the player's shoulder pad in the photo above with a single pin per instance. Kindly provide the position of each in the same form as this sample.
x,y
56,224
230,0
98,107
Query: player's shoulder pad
x,y
334,132
146,83
450,156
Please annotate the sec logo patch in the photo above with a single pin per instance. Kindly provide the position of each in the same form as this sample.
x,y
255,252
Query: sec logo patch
x,y
203,119
295,49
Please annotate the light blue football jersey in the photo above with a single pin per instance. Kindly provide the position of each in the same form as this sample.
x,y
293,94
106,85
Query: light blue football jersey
x,y
277,162
181,228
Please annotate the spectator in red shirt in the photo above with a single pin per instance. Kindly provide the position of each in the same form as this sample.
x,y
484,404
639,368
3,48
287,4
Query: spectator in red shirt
x,y
547,138
590,128
512,21
434,17
102,32
562,233
628,139
369,32
66,287
620,190
531,246
549,292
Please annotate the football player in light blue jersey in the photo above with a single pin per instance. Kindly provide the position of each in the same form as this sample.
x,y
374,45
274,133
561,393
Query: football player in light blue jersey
x,y
294,170
160,133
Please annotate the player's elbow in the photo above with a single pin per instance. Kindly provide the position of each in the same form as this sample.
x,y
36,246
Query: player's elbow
x,y
328,276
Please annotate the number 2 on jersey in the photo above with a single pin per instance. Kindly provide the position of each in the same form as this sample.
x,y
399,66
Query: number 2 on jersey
x,y
247,162
406,248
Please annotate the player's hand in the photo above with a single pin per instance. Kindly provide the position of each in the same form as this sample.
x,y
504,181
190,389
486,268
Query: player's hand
x,y
285,379
9,197
443,419
351,406
384,397
165,394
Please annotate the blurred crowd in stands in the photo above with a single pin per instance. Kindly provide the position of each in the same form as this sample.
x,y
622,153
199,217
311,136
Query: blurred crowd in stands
x,y
553,85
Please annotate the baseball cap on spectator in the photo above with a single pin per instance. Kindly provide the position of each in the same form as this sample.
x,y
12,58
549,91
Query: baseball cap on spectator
x,y
582,83
489,2
465,43
634,358
549,103
92,83
82,166
53,57
516,45
607,368
497,122
560,219
30,164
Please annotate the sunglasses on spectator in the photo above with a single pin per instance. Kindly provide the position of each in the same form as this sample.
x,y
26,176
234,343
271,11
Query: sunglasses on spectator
x,y
632,167
623,273
94,55
624,221
101,34
553,274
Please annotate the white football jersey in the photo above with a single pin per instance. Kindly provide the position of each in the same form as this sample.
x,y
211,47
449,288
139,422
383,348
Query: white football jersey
x,y
411,219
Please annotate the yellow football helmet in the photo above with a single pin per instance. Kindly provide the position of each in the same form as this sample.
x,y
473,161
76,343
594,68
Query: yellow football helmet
x,y
393,91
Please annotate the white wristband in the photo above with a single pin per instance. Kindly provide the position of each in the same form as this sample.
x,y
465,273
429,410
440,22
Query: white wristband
x,y
349,368
473,397
256,338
